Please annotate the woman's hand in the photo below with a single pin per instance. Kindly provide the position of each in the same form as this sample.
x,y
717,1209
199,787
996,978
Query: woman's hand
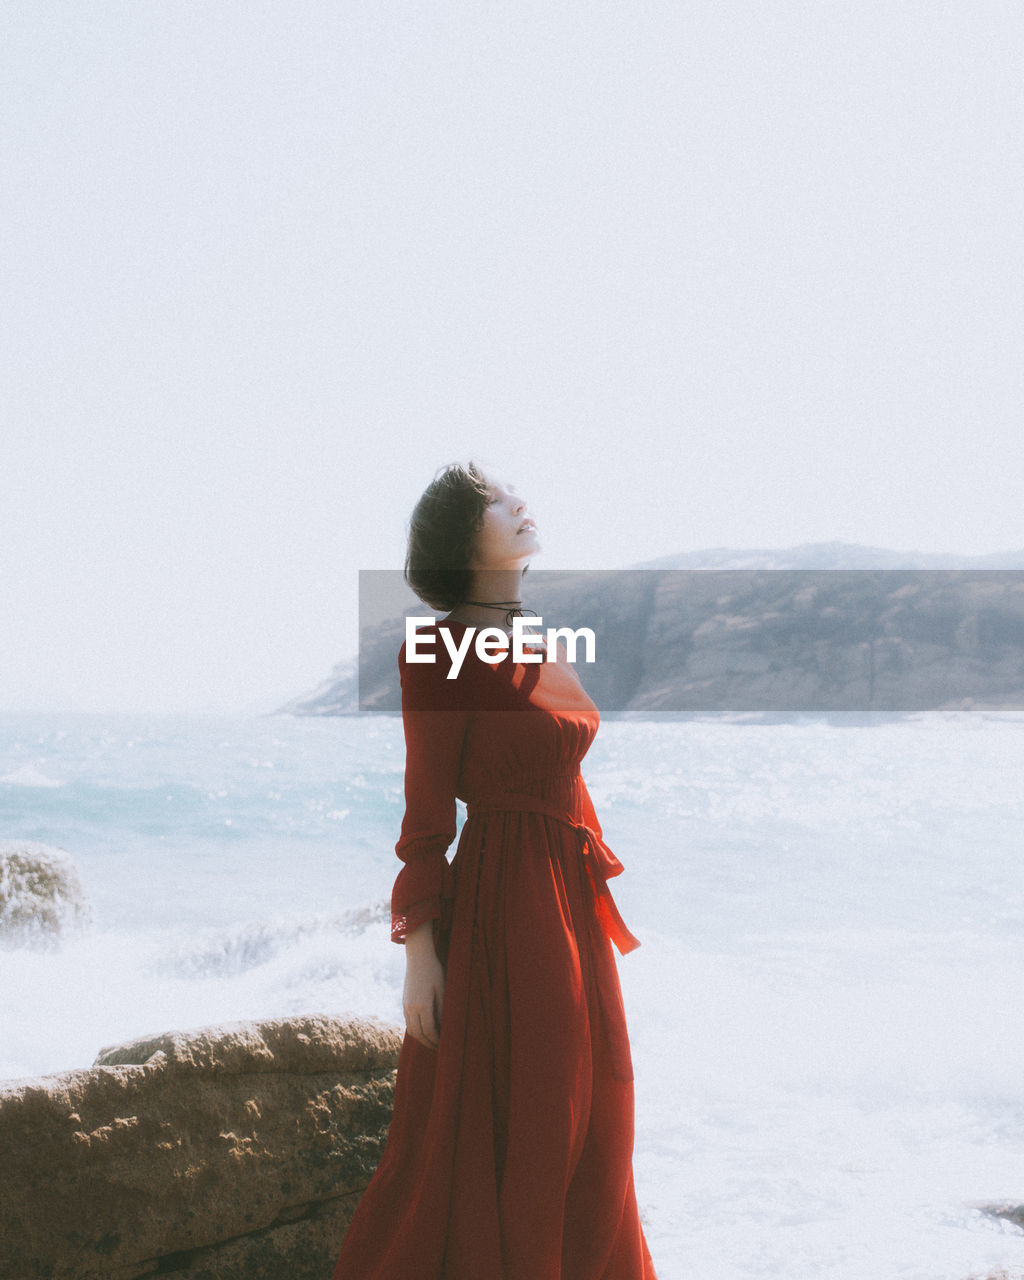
x,y
423,996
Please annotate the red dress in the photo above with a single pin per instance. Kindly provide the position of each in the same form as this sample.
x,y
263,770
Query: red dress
x,y
510,1151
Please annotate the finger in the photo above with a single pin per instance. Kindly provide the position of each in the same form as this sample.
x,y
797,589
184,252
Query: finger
x,y
418,1031
430,1035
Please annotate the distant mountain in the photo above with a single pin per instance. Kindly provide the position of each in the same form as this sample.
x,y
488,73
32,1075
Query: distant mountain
x,y
831,555
820,627
338,695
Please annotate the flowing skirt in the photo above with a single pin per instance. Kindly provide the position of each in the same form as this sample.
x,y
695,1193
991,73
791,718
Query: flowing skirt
x,y
509,1155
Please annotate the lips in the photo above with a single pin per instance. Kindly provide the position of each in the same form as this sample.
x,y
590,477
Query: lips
x,y
526,525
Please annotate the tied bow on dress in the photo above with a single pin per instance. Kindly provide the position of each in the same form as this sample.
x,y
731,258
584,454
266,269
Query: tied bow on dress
x,y
600,863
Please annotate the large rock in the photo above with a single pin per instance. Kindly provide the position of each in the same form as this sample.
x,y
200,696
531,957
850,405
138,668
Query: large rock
x,y
41,896
232,1151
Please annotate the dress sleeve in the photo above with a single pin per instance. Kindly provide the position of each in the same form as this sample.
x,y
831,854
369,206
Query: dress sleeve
x,y
435,728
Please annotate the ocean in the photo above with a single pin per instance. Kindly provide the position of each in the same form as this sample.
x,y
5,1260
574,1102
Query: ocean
x,y
824,1012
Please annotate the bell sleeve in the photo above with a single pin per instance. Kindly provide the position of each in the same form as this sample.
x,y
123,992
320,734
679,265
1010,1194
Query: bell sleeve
x,y
435,729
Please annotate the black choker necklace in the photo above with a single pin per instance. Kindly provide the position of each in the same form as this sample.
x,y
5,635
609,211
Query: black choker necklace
x,y
515,611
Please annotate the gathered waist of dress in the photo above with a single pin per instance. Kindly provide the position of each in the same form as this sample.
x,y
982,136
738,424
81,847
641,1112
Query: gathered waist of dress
x,y
559,795
567,807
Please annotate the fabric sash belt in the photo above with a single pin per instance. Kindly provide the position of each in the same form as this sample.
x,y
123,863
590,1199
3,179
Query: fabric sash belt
x,y
597,858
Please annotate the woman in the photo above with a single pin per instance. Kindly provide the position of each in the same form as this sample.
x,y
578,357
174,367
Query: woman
x,y
509,1155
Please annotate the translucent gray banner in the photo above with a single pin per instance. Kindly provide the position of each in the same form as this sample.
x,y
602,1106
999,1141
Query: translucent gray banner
x,y
686,642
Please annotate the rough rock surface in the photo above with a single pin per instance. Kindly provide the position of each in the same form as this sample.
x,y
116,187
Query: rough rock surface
x,y
1011,1212
41,896
231,1151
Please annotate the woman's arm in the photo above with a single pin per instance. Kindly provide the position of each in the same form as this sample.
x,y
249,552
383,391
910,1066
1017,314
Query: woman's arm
x,y
435,718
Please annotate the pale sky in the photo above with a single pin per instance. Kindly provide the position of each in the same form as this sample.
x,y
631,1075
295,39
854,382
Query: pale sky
x,y
688,274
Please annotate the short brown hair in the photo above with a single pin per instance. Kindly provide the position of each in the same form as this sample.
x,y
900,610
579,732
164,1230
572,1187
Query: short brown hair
x,y
442,533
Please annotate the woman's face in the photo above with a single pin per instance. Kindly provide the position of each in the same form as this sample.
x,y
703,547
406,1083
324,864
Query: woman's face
x,y
507,535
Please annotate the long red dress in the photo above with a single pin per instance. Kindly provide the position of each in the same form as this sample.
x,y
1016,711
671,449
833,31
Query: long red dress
x,y
510,1151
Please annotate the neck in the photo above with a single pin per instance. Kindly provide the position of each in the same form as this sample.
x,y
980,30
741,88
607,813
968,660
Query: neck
x,y
490,586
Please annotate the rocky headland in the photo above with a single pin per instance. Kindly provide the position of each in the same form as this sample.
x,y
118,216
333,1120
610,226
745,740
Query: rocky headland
x,y
822,629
